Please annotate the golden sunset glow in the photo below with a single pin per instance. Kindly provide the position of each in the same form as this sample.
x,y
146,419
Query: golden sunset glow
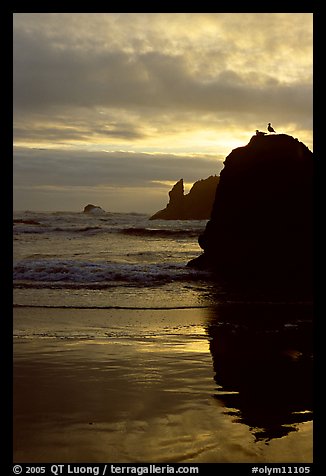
x,y
173,84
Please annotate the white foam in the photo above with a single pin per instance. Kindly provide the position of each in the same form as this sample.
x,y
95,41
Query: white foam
x,y
55,270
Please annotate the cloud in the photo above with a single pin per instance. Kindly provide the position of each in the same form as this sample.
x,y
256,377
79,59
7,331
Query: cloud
x,y
77,126
175,84
117,181
48,77
67,65
89,168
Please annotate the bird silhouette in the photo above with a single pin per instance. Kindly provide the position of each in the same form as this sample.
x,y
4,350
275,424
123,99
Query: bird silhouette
x,y
260,133
269,128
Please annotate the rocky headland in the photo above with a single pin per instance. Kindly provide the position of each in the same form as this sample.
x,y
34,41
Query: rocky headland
x,y
195,205
261,225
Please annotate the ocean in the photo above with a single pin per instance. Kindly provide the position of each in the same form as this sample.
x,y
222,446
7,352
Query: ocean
x,y
105,260
123,354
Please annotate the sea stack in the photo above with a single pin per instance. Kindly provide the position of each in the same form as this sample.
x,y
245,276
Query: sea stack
x,y
195,205
262,218
95,209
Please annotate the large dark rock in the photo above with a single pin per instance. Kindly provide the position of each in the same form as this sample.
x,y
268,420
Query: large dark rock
x,y
195,205
261,221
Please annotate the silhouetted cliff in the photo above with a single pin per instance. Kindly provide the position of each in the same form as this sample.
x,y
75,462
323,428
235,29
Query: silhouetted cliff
x,y
195,205
261,222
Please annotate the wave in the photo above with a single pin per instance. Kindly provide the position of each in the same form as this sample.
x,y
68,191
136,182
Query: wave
x,y
131,224
32,227
159,232
81,229
28,226
140,232
40,228
26,222
147,232
71,273
128,308
35,227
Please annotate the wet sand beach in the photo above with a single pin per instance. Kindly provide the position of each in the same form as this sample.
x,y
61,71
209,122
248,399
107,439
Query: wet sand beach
x,y
154,386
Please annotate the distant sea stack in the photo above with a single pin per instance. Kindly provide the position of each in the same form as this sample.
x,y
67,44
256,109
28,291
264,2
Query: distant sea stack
x,y
93,209
195,205
262,217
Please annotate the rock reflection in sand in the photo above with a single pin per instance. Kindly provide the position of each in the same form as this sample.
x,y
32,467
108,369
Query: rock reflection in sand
x,y
143,390
262,356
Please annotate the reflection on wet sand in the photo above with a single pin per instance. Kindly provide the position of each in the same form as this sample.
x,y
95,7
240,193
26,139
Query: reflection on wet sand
x,y
262,358
110,385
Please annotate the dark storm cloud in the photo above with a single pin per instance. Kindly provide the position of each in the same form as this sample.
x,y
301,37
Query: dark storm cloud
x,y
46,76
34,167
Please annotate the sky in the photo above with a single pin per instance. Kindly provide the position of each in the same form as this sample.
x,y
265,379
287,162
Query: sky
x,y
114,108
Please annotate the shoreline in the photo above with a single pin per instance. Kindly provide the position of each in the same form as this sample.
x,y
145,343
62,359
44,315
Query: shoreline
x,y
130,386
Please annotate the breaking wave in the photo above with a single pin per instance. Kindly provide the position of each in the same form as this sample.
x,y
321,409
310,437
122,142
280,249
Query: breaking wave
x,y
71,273
162,233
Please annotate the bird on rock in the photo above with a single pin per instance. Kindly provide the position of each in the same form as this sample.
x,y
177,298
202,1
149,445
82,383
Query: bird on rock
x,y
260,133
269,128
